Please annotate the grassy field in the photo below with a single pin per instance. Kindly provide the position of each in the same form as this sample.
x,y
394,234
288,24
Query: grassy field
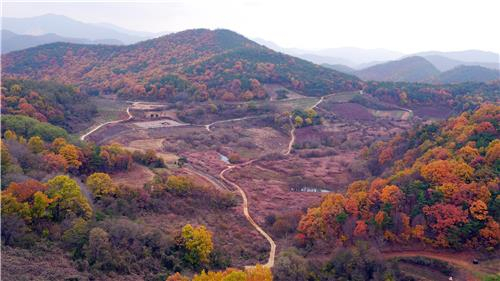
x,y
107,110
290,105
396,114
343,97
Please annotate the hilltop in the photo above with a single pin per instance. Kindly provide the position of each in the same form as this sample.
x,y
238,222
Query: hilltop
x,y
422,69
466,73
193,64
411,69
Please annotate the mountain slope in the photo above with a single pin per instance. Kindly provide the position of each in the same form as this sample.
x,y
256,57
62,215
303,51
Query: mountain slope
x,y
349,56
339,67
201,63
444,64
466,73
12,41
437,185
411,69
466,56
67,27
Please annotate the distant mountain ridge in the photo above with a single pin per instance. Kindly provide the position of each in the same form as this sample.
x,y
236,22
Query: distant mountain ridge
x,y
12,41
419,69
369,64
358,58
411,69
466,56
67,27
444,63
467,73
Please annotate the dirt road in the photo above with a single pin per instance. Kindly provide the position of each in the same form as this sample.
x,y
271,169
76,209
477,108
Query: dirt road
x,y
215,182
292,131
246,213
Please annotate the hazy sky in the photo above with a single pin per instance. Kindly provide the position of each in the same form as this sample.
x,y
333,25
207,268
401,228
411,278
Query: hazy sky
x,y
401,25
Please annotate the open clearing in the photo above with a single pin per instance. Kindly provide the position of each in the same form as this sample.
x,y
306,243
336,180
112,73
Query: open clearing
x,y
158,124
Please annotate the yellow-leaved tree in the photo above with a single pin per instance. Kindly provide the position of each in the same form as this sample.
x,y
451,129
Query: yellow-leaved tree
x,y
101,184
198,243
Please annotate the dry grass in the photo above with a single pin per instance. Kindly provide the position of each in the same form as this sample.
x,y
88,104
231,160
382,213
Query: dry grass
x,y
38,264
136,177
394,114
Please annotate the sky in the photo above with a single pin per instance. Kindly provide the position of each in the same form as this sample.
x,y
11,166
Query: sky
x,y
400,25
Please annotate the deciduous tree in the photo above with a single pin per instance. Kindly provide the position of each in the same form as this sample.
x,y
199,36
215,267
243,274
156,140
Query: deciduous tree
x,y
198,243
36,144
101,185
68,199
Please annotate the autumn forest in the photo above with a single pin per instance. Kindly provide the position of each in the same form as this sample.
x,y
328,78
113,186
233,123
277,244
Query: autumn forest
x,y
204,155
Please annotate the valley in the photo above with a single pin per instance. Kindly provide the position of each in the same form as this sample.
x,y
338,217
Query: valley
x,y
266,200
259,174
202,155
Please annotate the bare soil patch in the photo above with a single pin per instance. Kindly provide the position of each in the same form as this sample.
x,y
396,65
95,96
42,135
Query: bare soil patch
x,y
158,124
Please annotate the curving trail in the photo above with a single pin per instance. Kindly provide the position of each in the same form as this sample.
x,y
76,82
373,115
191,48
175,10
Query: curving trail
x,y
214,181
292,131
292,138
107,123
246,213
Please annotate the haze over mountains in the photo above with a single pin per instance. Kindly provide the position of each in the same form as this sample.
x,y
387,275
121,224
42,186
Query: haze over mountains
x,y
358,58
67,27
12,41
411,69
369,64
420,69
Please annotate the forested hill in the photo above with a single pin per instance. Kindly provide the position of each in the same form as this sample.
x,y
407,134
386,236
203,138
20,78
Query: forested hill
x,y
47,101
437,185
193,64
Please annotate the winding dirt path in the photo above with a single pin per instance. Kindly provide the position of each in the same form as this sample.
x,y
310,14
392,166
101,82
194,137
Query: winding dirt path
x,y
211,179
246,213
292,131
